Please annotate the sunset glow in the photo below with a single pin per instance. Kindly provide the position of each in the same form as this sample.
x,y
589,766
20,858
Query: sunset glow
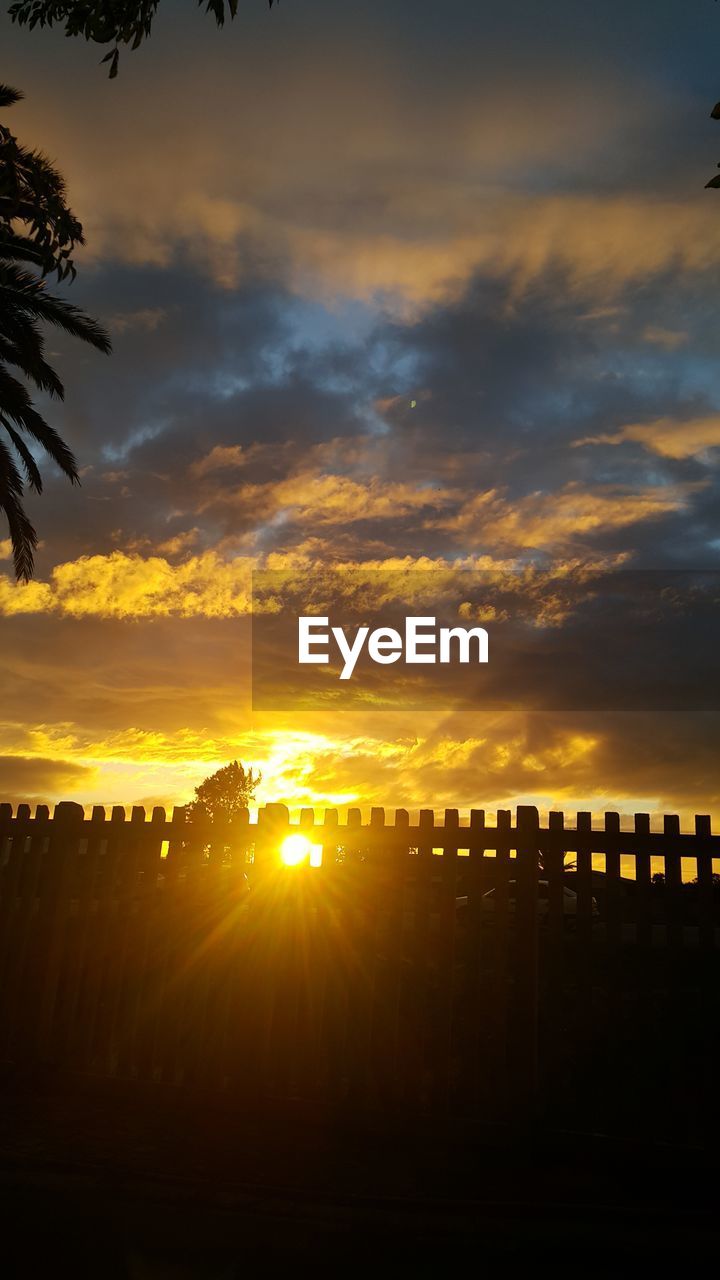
x,y
294,850
359,636
488,351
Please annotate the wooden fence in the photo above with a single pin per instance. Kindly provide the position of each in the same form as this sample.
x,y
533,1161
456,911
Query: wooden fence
x,y
484,968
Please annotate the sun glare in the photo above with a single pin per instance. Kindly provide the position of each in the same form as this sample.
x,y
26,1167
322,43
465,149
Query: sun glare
x,y
294,850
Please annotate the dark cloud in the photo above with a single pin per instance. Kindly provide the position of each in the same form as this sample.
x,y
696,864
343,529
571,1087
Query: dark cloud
x,y
34,779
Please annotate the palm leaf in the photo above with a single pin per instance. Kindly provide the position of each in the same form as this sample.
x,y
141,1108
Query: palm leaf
x,y
32,471
38,232
22,534
26,294
26,356
8,96
17,405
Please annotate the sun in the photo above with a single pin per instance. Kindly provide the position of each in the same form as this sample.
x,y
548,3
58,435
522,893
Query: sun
x,y
294,850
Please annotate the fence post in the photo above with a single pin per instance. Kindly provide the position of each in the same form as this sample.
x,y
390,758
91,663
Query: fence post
x,y
706,921
177,831
273,823
62,853
525,1013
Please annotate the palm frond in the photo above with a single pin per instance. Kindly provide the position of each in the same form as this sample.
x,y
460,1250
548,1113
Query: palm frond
x,y
8,96
33,194
22,534
38,232
32,471
17,405
28,358
27,294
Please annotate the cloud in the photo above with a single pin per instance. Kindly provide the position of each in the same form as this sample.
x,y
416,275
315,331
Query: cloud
x,y
667,437
151,706
180,543
563,518
220,458
396,194
35,778
127,585
146,319
316,498
669,339
601,243
131,586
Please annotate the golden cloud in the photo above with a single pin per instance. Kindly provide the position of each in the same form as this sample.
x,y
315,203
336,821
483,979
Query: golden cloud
x,y
421,196
666,436
219,459
558,520
127,585
319,498
122,585
601,244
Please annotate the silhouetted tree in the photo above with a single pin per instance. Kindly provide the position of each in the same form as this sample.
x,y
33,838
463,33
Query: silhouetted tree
x,y
38,233
117,22
221,796
218,802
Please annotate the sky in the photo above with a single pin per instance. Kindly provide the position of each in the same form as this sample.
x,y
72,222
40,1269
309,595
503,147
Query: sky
x,y
421,286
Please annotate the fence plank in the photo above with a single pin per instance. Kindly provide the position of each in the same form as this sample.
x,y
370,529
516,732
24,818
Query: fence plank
x,y
706,905
445,961
673,881
25,943
525,1002
643,896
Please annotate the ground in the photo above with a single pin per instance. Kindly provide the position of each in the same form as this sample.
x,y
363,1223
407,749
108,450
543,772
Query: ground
x,y
111,1185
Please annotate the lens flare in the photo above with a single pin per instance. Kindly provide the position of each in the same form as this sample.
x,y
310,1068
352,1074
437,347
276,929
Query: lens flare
x,y
294,850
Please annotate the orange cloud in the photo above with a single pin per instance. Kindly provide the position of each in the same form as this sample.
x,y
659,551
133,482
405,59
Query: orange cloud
x,y
560,519
425,188
127,585
318,498
219,458
666,436
123,585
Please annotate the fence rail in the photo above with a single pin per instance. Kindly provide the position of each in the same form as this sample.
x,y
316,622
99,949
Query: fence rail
x,y
481,966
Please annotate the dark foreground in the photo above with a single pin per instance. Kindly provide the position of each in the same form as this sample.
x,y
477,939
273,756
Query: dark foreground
x,y
355,1066
103,1186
